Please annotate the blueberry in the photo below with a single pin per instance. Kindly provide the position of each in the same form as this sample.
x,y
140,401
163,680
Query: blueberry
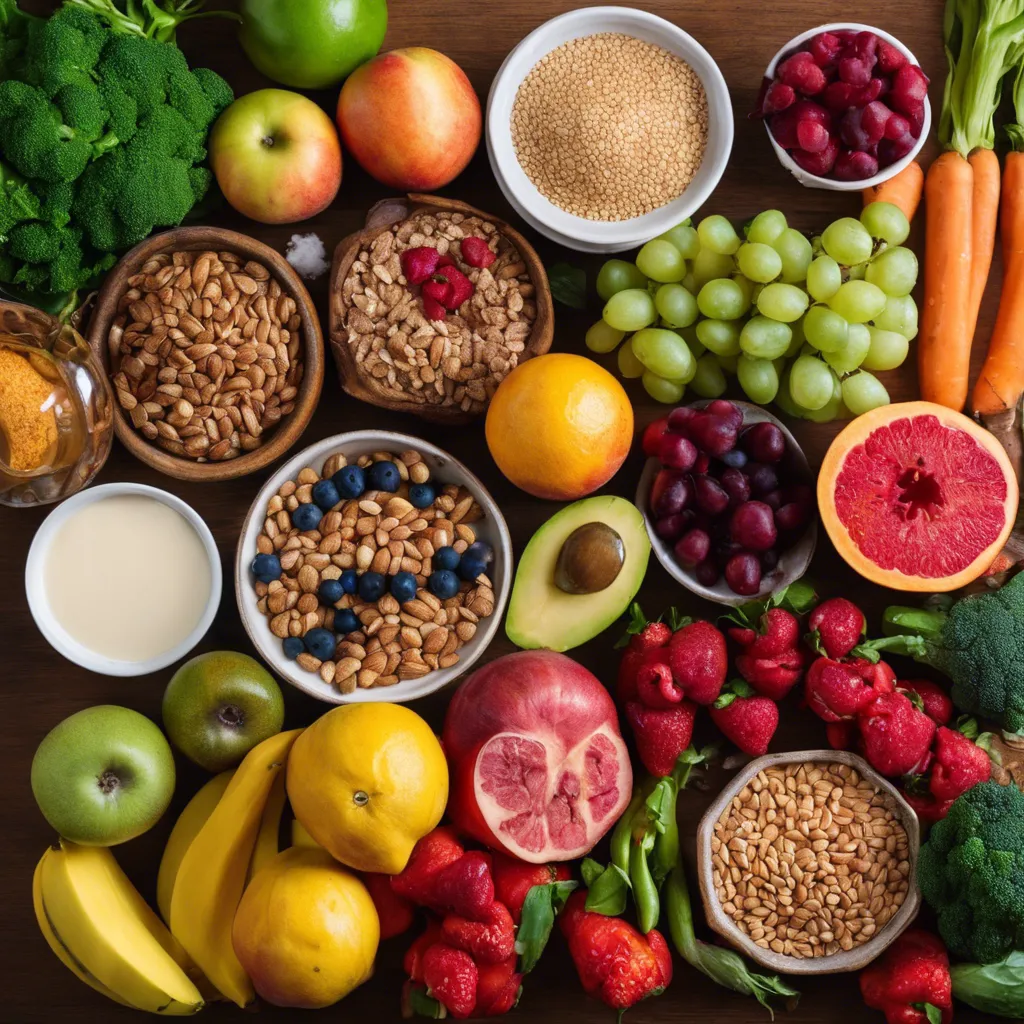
x,y
443,584
346,622
293,647
403,587
470,568
736,459
307,517
330,591
320,643
325,494
350,481
350,581
372,586
422,495
445,558
266,568
384,476
480,551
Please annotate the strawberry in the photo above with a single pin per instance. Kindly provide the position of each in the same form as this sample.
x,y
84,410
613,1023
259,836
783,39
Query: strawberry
x,y
654,634
698,660
661,734
476,252
395,912
433,310
748,720
434,852
772,677
413,962
419,263
655,686
777,633
837,626
959,764
648,637
841,735
653,434
513,879
451,977
461,286
935,701
836,691
488,940
878,675
466,887
896,735
497,988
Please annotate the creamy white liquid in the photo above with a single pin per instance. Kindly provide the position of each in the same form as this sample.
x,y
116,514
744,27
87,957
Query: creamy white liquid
x,y
127,577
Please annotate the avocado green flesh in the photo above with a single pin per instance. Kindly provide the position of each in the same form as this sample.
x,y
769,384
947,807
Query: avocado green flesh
x,y
541,615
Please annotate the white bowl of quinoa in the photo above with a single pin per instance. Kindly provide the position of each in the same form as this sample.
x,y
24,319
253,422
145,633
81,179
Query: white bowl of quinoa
x,y
607,126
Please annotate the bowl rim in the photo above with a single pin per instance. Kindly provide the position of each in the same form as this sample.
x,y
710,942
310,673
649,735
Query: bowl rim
x,y
54,632
551,220
289,430
833,184
836,963
310,682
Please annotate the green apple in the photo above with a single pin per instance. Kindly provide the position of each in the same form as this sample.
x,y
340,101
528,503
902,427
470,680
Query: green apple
x,y
219,705
103,776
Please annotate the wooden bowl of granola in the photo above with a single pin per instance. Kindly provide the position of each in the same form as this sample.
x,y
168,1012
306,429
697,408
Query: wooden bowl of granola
x,y
390,353
215,351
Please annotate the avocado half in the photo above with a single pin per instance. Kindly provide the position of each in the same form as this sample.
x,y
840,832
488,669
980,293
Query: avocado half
x,y
542,615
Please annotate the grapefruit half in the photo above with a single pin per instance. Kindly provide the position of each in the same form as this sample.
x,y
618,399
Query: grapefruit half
x,y
915,496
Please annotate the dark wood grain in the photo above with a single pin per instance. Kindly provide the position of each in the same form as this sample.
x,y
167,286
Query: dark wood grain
x,y
40,688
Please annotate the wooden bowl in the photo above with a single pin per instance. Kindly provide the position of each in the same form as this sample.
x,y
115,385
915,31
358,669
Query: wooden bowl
x,y
845,960
290,428
385,213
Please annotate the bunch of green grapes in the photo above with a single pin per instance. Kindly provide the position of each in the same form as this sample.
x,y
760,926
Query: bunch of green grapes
x,y
805,324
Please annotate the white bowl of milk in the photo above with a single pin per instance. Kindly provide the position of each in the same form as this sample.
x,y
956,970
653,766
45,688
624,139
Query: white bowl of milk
x,y
123,579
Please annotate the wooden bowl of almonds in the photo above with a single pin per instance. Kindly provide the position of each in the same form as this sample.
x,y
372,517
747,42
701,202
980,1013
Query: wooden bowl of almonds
x,y
432,305
807,862
214,349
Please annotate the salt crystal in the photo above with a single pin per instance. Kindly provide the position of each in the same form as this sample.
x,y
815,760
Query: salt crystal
x,y
306,253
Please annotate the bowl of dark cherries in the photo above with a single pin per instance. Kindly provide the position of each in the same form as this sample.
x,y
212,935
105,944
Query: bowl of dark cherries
x,y
729,502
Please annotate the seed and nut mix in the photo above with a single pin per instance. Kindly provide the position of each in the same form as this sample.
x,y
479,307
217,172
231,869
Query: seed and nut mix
x,y
380,532
460,360
809,859
207,350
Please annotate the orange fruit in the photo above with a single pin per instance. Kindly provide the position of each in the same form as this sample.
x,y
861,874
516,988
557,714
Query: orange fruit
x,y
916,496
559,426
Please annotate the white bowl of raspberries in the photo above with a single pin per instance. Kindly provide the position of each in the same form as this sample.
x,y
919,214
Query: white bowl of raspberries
x,y
845,106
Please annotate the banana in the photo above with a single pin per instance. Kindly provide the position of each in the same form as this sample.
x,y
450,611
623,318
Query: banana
x,y
211,877
300,837
268,839
97,915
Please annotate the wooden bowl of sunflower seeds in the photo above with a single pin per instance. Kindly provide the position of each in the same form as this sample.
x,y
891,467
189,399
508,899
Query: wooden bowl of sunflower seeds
x,y
214,350
432,305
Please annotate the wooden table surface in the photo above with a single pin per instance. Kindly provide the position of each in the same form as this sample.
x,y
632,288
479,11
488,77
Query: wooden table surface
x,y
40,688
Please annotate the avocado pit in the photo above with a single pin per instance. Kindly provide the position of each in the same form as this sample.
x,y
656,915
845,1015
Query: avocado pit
x,y
590,559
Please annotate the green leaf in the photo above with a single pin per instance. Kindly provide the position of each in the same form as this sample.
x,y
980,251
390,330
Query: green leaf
x,y
591,871
423,1005
568,285
813,640
799,597
608,893
723,700
933,1013
542,905
637,621
985,741
968,726
661,804
676,620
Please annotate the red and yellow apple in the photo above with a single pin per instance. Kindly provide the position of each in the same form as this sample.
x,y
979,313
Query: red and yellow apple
x,y
276,157
410,118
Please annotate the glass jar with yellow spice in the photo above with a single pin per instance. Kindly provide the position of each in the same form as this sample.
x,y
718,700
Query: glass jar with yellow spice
x,y
56,422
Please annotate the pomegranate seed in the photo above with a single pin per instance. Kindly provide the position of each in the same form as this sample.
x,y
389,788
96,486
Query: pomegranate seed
x,y
889,58
855,166
825,48
854,71
476,252
778,97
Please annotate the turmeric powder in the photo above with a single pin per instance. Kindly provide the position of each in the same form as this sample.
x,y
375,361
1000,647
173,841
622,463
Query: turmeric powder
x,y
28,421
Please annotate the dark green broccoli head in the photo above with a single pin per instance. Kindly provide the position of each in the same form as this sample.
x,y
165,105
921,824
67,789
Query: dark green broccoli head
x,y
18,202
971,873
36,242
64,49
83,109
185,95
217,90
57,205
124,111
142,68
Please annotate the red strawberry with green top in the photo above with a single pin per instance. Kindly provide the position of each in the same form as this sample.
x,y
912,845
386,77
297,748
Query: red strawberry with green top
x,y
699,662
497,988
896,735
413,962
466,887
656,687
451,978
513,879
837,626
434,852
878,675
645,638
836,691
748,720
488,940
772,677
661,734
959,763
935,701
777,633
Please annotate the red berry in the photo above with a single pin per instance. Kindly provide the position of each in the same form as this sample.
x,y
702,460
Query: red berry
x,y
432,309
800,72
743,574
812,137
419,263
778,97
889,58
855,166
825,48
476,252
651,442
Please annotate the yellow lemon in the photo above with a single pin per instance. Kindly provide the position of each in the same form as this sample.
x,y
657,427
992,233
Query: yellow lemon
x,y
367,781
306,930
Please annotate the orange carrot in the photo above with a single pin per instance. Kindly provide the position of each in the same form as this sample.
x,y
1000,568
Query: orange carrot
x,y
944,347
903,190
985,214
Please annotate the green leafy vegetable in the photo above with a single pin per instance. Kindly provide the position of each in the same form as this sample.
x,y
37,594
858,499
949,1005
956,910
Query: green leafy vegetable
x,y
542,905
992,988
568,285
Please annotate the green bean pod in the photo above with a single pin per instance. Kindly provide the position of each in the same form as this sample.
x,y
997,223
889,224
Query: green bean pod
x,y
645,891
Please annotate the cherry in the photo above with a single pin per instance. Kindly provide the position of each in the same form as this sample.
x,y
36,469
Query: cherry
x,y
763,478
736,485
671,528
791,517
679,417
670,493
743,574
692,548
727,410
707,573
677,452
753,526
712,434
764,442
709,495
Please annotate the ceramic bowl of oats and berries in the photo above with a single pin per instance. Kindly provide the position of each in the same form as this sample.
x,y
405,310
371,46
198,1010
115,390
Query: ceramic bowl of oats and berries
x,y
372,566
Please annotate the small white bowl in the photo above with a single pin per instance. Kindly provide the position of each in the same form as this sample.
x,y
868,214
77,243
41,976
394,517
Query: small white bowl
x,y
831,184
445,469
566,228
57,635
792,563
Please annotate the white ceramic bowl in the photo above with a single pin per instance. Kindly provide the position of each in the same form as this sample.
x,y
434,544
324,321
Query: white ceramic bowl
x,y
792,563
55,633
445,469
566,228
830,184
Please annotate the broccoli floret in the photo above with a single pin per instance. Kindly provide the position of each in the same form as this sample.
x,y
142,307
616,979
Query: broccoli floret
x,y
200,178
124,111
36,242
217,90
142,68
57,205
18,202
64,49
971,873
186,96
83,110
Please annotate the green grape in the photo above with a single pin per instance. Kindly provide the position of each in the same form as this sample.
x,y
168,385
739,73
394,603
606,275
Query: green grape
x,y
797,341
689,335
887,350
684,238
857,273
661,390
747,287
717,234
858,301
759,262
616,276
784,399
728,363
722,337
664,353
851,355
783,302
660,260
722,299
886,221
629,365
900,315
766,227
831,409
601,338
823,278
708,265
847,241
629,310
894,271
780,365
758,379
825,329
675,305
796,255
709,380
764,338
689,282
816,246
863,392
810,382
